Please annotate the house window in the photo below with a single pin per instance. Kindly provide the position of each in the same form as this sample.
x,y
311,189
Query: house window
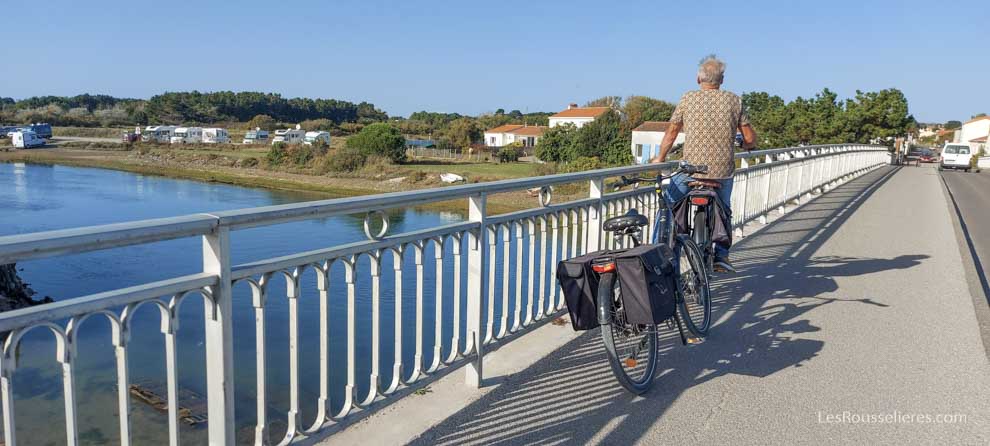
x,y
639,150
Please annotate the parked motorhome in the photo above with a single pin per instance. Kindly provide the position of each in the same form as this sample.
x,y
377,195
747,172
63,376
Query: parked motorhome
x,y
215,135
187,135
158,133
256,136
26,139
313,137
289,136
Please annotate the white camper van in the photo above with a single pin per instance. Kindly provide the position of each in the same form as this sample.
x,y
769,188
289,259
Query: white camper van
x,y
26,139
187,135
290,136
313,137
256,136
215,135
158,133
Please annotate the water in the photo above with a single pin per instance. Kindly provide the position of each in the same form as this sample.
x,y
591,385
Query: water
x,y
41,197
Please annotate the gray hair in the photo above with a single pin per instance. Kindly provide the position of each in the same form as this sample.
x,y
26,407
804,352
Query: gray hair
x,y
711,70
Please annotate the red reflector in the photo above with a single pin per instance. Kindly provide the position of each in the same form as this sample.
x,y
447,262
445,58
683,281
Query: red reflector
x,y
603,267
700,201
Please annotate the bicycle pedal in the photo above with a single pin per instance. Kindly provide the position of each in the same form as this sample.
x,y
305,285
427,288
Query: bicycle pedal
x,y
631,362
691,340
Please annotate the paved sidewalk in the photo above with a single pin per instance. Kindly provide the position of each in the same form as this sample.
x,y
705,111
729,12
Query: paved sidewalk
x,y
840,312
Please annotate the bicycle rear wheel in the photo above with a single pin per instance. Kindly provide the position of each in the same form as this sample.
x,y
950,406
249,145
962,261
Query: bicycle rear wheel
x,y
695,302
631,349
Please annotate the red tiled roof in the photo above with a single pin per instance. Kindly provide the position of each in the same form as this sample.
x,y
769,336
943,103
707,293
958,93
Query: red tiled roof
x,y
532,130
652,126
504,128
980,139
581,112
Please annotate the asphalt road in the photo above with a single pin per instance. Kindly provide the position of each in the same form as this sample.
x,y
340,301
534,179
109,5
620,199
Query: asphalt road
x,y
969,196
843,326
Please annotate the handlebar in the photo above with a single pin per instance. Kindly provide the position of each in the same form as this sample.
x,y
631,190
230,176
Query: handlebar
x,y
683,167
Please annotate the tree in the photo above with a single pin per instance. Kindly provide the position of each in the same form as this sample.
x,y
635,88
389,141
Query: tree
x,y
598,136
639,109
264,122
952,125
605,101
558,144
978,115
462,132
380,139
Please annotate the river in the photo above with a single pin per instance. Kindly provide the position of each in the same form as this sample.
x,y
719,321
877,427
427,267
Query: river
x,y
43,197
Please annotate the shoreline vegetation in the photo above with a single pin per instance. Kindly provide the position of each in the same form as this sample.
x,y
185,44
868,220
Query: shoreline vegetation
x,y
228,168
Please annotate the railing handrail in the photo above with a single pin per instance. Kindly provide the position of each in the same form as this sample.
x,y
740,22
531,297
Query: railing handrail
x,y
15,248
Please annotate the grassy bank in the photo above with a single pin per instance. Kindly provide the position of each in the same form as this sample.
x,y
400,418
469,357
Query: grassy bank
x,y
258,178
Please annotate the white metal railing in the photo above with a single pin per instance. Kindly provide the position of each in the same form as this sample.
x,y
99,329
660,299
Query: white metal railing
x,y
526,245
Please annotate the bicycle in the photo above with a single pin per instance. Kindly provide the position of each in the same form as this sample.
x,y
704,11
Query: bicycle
x,y
625,343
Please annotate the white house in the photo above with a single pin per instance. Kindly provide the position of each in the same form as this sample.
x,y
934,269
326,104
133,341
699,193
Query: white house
x,y
975,132
504,135
646,140
578,116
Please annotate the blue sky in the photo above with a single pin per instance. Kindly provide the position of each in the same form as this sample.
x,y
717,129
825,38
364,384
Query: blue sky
x,y
472,57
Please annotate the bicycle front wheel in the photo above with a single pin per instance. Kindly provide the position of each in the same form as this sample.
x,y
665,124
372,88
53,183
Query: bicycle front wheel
x,y
631,349
695,302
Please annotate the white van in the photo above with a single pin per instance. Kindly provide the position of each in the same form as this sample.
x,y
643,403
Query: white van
x,y
289,136
215,135
256,136
26,139
956,155
187,135
313,137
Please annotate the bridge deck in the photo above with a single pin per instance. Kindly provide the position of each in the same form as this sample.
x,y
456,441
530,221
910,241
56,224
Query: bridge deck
x,y
855,302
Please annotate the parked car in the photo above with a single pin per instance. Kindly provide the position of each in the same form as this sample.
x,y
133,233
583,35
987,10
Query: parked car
x,y
928,156
956,156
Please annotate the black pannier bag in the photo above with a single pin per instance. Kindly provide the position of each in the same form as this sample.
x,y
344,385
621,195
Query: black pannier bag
x,y
647,283
721,230
580,286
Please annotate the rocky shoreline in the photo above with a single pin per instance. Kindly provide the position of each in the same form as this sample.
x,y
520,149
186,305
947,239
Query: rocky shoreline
x,y
14,292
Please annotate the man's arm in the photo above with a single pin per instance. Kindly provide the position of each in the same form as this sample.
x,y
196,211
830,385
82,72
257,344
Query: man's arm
x,y
749,136
668,141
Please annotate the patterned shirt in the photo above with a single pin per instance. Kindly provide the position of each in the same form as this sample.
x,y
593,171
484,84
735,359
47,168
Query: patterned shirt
x,y
710,118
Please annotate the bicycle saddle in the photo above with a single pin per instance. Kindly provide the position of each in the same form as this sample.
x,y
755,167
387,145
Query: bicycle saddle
x,y
623,222
704,183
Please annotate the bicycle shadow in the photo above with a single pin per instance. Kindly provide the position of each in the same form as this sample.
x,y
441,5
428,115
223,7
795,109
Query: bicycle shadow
x,y
571,396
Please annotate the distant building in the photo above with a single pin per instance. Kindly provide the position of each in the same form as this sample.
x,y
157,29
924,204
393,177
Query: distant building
x,y
504,135
646,140
975,130
578,116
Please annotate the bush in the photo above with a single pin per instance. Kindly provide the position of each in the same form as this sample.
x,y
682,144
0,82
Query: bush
x,y
249,162
508,154
276,154
346,160
582,164
558,144
380,139
318,124
546,169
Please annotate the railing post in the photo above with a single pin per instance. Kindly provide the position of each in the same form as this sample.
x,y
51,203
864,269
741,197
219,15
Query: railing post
x,y
741,214
765,209
219,339
594,229
477,281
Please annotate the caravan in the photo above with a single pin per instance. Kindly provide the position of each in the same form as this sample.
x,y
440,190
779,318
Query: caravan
x,y
187,135
158,133
26,139
215,135
289,136
316,137
256,136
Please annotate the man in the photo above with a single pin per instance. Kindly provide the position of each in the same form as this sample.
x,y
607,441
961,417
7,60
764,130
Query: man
x,y
710,116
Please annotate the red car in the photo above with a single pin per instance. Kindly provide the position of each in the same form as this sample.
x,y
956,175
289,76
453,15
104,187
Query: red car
x,y
928,156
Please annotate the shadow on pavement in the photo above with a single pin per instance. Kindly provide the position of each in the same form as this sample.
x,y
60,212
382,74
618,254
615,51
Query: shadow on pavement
x,y
571,397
